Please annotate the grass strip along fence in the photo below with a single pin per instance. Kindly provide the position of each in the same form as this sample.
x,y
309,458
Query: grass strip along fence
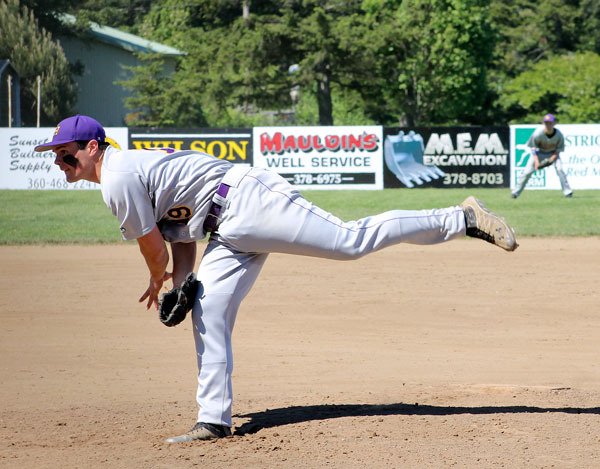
x,y
81,217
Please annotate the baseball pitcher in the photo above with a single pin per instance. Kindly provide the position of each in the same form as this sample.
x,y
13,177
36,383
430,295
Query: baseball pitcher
x,y
179,197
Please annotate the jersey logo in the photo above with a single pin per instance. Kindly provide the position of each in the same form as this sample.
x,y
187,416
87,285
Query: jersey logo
x,y
176,217
167,150
180,213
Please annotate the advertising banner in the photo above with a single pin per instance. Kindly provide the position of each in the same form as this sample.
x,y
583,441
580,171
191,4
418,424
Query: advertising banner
x,y
233,145
581,158
446,157
23,168
349,157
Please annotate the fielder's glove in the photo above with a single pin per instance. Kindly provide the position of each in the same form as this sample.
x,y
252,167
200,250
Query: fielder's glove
x,y
545,163
174,305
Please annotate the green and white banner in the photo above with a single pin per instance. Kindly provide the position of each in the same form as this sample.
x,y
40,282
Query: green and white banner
x,y
581,158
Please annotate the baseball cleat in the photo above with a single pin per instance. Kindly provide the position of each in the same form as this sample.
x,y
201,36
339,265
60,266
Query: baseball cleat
x,y
484,224
202,431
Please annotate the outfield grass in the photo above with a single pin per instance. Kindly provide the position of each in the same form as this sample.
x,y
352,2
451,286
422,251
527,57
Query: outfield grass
x,y
80,217
56,217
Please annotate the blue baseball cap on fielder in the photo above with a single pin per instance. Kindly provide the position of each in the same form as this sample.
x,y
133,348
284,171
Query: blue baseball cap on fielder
x,y
549,118
76,128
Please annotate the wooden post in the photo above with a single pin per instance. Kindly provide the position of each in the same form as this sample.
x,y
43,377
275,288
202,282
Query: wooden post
x,y
39,98
9,80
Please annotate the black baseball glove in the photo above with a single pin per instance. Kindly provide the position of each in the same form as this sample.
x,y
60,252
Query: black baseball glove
x,y
174,305
545,162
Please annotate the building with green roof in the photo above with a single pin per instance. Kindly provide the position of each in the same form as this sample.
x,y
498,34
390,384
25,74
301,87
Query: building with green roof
x,y
102,54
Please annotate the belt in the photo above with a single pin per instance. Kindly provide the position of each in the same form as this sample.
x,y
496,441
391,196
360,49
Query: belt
x,y
212,220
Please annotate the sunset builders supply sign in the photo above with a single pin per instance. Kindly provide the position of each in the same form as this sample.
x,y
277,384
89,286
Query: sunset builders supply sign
x,y
23,168
322,157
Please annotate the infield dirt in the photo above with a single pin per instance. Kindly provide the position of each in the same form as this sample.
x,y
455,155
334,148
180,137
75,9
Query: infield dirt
x,y
457,355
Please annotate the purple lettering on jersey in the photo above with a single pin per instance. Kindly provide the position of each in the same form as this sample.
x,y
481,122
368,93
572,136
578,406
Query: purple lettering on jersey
x,y
165,149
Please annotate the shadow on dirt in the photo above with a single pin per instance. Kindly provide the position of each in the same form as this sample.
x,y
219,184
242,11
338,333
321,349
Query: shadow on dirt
x,y
290,415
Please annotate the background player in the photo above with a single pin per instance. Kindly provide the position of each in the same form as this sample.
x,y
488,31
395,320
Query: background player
x,y
179,197
546,144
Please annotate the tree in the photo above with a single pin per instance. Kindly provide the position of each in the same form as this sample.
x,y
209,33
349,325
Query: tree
x,y
384,61
234,70
32,52
122,14
567,85
329,43
441,50
47,11
161,100
528,31
589,33
348,108
241,58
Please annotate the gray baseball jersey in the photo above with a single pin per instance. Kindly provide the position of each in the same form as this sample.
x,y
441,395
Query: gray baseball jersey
x,y
173,190
262,213
544,145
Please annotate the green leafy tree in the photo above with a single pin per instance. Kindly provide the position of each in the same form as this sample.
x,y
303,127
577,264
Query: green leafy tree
x,y
437,53
160,99
243,71
329,41
122,14
384,61
568,85
241,60
33,53
529,31
231,72
168,21
348,108
589,33
47,11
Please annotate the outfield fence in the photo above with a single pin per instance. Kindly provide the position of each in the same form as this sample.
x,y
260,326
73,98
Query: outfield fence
x,y
337,157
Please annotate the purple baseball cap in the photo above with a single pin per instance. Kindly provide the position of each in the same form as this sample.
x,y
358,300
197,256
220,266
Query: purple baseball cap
x,y
549,118
72,129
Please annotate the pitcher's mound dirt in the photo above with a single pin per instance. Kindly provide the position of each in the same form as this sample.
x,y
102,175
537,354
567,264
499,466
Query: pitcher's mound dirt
x,y
453,355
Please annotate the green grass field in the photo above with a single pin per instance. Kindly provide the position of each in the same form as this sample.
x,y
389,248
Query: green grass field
x,y
80,217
